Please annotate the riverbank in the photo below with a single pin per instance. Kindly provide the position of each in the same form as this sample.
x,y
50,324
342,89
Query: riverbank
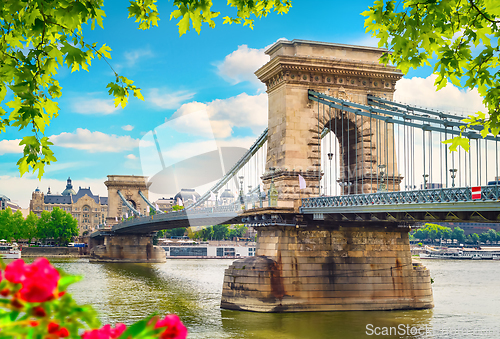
x,y
54,252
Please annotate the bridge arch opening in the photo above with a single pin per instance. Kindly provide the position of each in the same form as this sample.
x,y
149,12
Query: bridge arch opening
x,y
357,154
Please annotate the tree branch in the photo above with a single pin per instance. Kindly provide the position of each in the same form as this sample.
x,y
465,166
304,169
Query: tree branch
x,y
482,14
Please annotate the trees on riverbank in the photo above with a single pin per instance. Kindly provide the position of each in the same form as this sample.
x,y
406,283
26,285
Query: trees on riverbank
x,y
217,232
433,232
57,224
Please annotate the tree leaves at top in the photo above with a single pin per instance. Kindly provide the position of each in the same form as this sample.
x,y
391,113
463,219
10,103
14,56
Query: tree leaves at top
x,y
39,36
462,35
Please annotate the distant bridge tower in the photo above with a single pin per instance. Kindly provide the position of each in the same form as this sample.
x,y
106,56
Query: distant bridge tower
x,y
126,247
129,186
295,123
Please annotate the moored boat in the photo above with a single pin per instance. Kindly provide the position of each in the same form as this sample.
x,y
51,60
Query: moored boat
x,y
9,251
481,253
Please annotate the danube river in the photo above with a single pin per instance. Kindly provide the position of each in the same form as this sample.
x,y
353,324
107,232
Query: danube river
x,y
466,295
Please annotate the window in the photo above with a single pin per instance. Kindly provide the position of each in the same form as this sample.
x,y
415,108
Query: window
x,y
229,251
188,251
86,208
220,251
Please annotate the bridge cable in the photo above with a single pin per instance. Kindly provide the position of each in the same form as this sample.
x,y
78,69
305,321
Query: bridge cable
x,y
233,171
149,203
127,203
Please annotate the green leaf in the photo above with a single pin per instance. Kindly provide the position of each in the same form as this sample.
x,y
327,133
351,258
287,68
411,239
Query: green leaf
x,y
67,280
457,141
184,24
13,315
135,329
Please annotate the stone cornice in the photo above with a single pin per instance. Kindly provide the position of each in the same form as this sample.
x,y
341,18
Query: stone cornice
x,y
133,184
328,72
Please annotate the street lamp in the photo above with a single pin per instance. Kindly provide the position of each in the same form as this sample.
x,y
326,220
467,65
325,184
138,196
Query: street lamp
x,y
241,189
425,180
382,184
453,173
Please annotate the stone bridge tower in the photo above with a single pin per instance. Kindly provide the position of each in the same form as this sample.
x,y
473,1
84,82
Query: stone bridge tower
x,y
129,186
342,71
136,248
323,264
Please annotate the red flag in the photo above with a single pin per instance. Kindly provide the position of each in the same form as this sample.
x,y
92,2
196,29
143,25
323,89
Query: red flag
x,y
476,192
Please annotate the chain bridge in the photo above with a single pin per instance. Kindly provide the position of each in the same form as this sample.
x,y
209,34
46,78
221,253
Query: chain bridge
x,y
333,186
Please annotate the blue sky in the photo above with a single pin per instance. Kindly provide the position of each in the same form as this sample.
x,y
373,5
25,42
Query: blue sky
x,y
211,71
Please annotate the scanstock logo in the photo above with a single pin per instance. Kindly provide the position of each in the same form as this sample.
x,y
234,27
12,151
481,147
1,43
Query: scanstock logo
x,y
183,153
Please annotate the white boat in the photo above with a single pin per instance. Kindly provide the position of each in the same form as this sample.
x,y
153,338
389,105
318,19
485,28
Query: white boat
x,y
481,253
9,251
205,251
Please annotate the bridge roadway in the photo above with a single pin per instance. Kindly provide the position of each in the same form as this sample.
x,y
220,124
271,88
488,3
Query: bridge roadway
x,y
406,207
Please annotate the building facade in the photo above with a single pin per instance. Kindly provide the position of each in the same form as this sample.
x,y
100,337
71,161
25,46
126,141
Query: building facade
x,y
165,204
5,202
88,209
185,197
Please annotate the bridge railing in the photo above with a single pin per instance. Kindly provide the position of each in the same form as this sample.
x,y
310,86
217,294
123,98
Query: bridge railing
x,y
216,209
440,195
235,208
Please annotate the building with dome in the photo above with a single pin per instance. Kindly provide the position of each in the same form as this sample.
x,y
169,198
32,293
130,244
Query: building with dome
x,y
188,196
88,209
226,197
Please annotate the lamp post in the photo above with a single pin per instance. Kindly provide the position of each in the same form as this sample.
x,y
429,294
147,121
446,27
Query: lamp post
x,y
453,173
425,180
382,184
242,201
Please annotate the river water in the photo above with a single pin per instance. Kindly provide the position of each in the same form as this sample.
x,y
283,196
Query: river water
x,y
466,297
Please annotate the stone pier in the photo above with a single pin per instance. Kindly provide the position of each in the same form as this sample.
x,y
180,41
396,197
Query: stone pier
x,y
137,248
328,269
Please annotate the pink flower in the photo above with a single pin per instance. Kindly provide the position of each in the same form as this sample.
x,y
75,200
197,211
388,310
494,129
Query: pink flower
x,y
15,271
106,332
40,281
175,327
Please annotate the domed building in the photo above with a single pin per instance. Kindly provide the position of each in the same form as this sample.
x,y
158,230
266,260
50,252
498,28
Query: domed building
x,y
69,188
227,197
188,196
88,209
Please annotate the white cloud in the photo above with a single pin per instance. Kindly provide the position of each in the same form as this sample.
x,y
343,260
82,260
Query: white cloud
x,y
168,100
84,139
365,40
10,146
140,54
242,110
94,106
421,92
127,127
131,157
187,150
241,64
19,189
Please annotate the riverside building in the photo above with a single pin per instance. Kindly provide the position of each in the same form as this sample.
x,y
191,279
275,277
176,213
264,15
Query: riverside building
x,y
88,209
